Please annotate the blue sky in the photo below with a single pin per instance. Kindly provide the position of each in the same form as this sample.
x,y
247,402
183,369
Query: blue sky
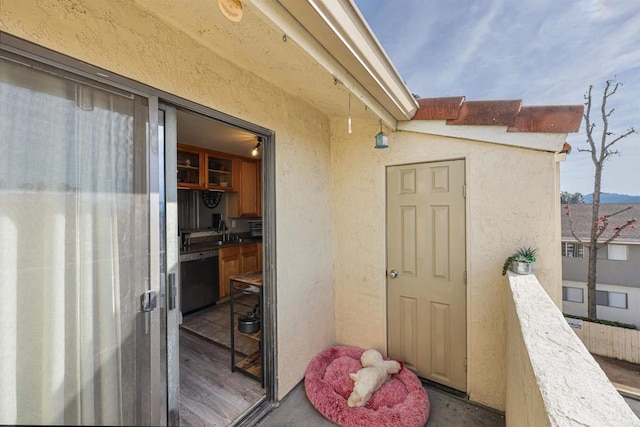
x,y
545,52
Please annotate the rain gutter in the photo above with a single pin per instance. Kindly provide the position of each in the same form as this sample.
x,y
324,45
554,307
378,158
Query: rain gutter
x,y
336,35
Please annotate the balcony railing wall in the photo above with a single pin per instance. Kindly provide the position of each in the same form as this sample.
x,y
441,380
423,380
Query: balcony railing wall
x,y
551,377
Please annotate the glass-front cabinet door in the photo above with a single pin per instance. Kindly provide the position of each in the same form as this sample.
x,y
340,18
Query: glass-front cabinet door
x,y
190,167
219,172
75,280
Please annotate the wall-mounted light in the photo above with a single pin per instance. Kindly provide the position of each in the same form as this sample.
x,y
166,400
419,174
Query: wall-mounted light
x,y
231,9
382,140
256,150
349,119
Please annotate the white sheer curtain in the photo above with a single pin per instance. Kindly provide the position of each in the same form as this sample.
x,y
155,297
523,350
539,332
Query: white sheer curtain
x,y
72,201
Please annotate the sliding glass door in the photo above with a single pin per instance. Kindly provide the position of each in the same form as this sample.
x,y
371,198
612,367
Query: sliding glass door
x,y
76,287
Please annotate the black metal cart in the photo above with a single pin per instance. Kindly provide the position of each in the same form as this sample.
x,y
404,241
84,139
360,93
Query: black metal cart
x,y
247,284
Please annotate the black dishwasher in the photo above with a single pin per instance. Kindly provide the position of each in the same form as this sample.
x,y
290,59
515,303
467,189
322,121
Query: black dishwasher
x,y
198,281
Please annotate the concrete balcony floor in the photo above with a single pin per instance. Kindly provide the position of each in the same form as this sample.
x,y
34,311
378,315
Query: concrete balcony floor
x,y
446,410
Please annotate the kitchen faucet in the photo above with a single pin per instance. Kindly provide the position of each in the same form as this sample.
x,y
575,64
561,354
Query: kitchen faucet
x,y
225,231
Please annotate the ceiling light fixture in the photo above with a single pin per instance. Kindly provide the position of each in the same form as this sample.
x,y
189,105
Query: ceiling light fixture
x,y
256,150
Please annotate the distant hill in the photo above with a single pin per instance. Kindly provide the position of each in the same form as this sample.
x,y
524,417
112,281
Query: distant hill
x,y
612,198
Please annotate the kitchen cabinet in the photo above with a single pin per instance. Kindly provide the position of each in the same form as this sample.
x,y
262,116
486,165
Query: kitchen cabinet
x,y
247,201
238,260
203,169
222,172
240,178
190,167
249,258
259,190
229,259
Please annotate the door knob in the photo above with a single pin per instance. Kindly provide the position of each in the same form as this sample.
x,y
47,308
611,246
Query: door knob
x,y
393,274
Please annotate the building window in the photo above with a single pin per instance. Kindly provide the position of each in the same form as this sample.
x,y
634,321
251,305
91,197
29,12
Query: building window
x,y
618,252
572,294
572,250
611,299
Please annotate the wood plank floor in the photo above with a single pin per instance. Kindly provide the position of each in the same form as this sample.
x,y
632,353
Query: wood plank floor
x,y
213,324
210,394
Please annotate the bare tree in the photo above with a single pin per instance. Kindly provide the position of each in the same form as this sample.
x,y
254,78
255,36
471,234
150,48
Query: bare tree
x,y
601,148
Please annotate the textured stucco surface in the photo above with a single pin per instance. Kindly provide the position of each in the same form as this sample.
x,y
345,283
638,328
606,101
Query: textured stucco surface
x,y
124,39
554,365
524,404
511,201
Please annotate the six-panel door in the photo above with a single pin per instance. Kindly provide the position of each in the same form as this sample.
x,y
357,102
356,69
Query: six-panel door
x,y
426,247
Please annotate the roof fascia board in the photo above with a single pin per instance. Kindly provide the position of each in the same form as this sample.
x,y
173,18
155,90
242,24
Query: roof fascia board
x,y
348,24
294,30
552,142
561,157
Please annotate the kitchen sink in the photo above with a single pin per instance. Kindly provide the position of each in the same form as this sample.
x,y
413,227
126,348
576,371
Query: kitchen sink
x,y
229,242
220,243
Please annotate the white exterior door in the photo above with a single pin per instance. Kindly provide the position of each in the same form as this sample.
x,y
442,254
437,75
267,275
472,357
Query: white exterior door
x,y
426,291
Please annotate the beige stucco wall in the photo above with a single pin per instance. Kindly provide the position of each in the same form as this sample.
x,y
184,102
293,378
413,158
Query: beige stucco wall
x,y
511,201
122,39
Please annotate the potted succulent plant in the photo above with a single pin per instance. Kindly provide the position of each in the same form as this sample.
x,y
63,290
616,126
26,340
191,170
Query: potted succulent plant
x,y
520,261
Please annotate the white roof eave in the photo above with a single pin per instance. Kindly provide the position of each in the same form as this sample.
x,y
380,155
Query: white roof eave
x,y
336,35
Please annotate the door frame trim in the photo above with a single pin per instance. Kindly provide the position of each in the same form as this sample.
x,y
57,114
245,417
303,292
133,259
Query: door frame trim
x,y
27,49
171,263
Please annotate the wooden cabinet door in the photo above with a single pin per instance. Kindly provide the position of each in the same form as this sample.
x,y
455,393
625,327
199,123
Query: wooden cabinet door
x,y
246,202
259,198
230,265
249,189
220,172
249,258
190,167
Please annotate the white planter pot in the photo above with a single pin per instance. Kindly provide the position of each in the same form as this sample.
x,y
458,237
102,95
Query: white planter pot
x,y
521,267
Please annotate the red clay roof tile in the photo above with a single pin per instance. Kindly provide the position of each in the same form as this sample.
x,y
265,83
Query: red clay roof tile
x,y
488,113
549,118
438,108
545,119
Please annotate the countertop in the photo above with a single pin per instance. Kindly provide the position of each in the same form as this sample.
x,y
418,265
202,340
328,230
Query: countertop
x,y
252,278
211,245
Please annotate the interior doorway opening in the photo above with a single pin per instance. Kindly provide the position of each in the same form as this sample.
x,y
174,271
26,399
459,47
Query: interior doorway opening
x,y
219,332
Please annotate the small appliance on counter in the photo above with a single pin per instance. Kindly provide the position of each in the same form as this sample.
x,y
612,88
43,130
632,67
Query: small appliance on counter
x,y
216,221
255,227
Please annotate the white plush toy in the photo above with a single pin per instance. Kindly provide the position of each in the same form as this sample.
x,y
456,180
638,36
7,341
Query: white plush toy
x,y
375,372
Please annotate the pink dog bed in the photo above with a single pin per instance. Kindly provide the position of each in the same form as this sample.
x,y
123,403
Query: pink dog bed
x,y
401,401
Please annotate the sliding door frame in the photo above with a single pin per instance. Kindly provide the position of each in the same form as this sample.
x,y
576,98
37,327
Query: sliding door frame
x,y
164,406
